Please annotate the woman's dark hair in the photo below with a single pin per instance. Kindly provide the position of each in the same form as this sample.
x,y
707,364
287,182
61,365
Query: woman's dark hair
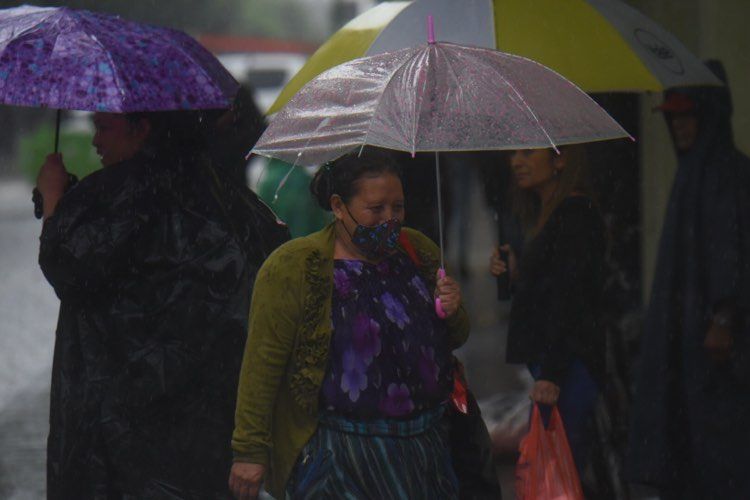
x,y
341,176
176,134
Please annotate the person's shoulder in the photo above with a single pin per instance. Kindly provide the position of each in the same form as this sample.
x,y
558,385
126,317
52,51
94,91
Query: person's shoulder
x,y
293,255
578,202
579,213
112,187
300,246
419,240
578,205
131,170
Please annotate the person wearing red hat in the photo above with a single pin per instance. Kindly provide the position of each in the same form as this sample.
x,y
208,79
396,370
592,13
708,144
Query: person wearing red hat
x,y
682,117
692,382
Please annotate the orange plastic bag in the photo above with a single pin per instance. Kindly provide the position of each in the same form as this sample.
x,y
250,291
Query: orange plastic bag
x,y
545,469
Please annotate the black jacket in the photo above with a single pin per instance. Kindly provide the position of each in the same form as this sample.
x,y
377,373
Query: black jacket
x,y
153,263
554,316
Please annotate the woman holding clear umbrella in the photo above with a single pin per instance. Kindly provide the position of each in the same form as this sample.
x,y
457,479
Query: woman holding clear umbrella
x,y
347,367
430,98
558,281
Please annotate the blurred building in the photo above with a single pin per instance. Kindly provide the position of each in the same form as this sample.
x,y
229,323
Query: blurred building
x,y
336,13
263,64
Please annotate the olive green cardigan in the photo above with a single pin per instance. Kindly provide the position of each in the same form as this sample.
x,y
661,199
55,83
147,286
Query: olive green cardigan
x,y
286,355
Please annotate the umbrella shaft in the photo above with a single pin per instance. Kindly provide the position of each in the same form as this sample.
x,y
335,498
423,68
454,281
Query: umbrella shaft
x,y
57,131
440,209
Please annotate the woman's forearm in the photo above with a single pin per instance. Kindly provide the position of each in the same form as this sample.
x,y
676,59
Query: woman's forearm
x,y
274,314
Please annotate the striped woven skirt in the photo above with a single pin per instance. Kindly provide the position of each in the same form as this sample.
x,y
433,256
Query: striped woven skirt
x,y
380,459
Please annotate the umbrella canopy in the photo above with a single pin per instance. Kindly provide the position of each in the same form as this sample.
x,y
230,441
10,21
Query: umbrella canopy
x,y
74,59
600,45
434,97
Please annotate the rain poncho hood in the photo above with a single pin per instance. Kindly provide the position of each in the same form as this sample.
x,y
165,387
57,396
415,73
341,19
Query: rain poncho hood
x,y
153,260
689,414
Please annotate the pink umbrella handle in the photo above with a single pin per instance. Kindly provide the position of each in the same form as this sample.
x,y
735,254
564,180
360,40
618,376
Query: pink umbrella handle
x,y
438,305
430,29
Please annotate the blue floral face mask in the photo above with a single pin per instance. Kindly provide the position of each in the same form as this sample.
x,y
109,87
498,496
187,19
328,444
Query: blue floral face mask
x,y
375,241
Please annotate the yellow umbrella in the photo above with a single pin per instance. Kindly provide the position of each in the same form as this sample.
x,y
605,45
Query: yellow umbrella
x,y
600,45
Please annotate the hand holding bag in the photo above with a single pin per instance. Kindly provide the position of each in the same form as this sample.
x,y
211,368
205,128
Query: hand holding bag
x,y
545,469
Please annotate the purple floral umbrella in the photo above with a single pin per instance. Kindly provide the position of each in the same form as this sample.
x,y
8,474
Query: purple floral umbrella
x,y
62,58
434,97
76,59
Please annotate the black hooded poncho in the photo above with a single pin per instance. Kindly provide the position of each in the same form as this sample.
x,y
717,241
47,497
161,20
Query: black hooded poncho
x,y
153,262
689,433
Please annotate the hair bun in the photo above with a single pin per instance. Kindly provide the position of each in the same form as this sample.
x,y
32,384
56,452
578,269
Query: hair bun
x,y
321,186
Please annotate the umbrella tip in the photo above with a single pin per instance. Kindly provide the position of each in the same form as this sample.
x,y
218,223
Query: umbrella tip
x,y
430,29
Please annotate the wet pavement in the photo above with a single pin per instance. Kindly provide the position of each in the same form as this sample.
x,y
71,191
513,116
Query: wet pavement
x,y
28,312
23,439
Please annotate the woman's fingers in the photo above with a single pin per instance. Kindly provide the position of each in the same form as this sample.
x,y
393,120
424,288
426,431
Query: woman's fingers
x,y
245,490
446,284
545,392
718,343
237,486
245,480
450,294
497,265
496,269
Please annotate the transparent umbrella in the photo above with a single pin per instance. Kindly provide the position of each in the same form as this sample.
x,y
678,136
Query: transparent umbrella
x,y
431,98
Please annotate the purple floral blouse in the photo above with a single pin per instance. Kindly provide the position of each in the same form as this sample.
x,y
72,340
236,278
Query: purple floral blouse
x,y
389,354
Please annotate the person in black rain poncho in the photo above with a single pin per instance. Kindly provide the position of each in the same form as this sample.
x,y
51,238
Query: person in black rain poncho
x,y
153,259
692,392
